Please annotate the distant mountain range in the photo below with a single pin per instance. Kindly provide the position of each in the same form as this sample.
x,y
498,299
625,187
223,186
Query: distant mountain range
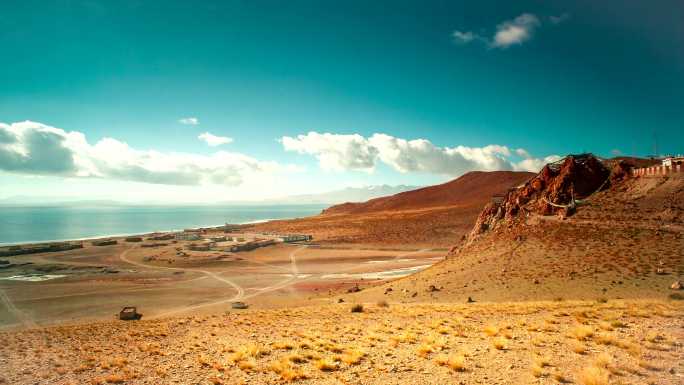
x,y
349,194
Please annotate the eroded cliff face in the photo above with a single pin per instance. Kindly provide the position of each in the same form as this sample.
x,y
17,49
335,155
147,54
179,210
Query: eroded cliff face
x,y
551,192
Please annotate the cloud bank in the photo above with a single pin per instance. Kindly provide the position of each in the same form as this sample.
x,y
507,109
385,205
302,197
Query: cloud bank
x,y
38,149
213,140
340,152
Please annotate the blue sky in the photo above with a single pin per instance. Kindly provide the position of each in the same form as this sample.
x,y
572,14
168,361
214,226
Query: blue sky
x,y
443,81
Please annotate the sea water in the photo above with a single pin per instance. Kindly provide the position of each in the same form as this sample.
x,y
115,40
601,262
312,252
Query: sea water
x,y
40,224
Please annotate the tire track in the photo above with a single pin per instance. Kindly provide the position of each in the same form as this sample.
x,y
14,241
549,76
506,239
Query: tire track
x,y
19,315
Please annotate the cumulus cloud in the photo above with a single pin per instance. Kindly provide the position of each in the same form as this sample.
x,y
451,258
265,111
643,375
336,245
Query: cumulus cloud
x,y
516,31
190,121
335,151
355,152
214,140
34,148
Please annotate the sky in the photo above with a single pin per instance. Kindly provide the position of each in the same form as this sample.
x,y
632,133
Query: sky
x,y
178,101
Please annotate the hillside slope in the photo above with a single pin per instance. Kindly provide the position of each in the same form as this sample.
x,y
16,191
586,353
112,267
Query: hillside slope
x,y
436,216
473,188
624,241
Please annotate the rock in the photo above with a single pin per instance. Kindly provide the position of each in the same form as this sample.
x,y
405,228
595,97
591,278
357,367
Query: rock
x,y
575,177
470,300
415,294
432,288
661,271
354,289
388,290
676,285
536,281
340,300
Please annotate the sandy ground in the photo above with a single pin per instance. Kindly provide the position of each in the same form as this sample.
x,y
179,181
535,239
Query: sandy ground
x,y
618,342
99,281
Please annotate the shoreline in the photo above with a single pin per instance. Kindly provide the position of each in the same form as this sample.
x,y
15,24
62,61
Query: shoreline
x,y
123,235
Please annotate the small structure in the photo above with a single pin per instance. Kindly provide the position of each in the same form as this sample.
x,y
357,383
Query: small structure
x,y
201,246
161,237
104,242
296,238
231,228
9,251
188,235
673,161
129,313
247,246
239,305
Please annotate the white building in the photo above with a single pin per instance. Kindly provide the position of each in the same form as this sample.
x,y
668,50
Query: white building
x,y
673,160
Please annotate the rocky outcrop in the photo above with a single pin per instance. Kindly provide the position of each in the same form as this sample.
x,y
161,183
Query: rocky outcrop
x,y
555,190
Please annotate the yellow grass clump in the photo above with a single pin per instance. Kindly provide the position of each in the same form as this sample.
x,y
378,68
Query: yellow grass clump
x,y
455,362
499,344
593,375
286,371
491,330
582,332
326,365
352,356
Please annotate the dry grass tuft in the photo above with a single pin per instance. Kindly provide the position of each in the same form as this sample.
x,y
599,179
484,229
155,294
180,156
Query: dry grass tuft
x,y
603,360
247,365
424,350
455,362
352,356
286,371
499,344
582,332
593,376
326,365
114,379
491,330
537,371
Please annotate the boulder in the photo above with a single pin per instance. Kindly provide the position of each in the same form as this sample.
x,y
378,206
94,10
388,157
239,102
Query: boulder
x,y
676,285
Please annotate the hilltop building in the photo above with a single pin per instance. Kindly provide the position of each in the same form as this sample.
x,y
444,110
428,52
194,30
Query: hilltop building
x,y
673,161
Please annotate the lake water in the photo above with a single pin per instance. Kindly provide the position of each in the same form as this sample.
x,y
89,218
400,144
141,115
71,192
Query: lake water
x,y
38,224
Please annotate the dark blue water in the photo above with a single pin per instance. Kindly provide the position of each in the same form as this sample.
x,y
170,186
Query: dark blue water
x,y
36,224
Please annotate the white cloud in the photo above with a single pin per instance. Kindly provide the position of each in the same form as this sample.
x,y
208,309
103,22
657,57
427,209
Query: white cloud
x,y
463,37
508,33
214,140
334,151
355,152
515,31
36,149
534,164
523,153
190,121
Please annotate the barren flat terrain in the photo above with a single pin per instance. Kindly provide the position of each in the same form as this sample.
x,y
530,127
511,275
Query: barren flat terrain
x,y
96,282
